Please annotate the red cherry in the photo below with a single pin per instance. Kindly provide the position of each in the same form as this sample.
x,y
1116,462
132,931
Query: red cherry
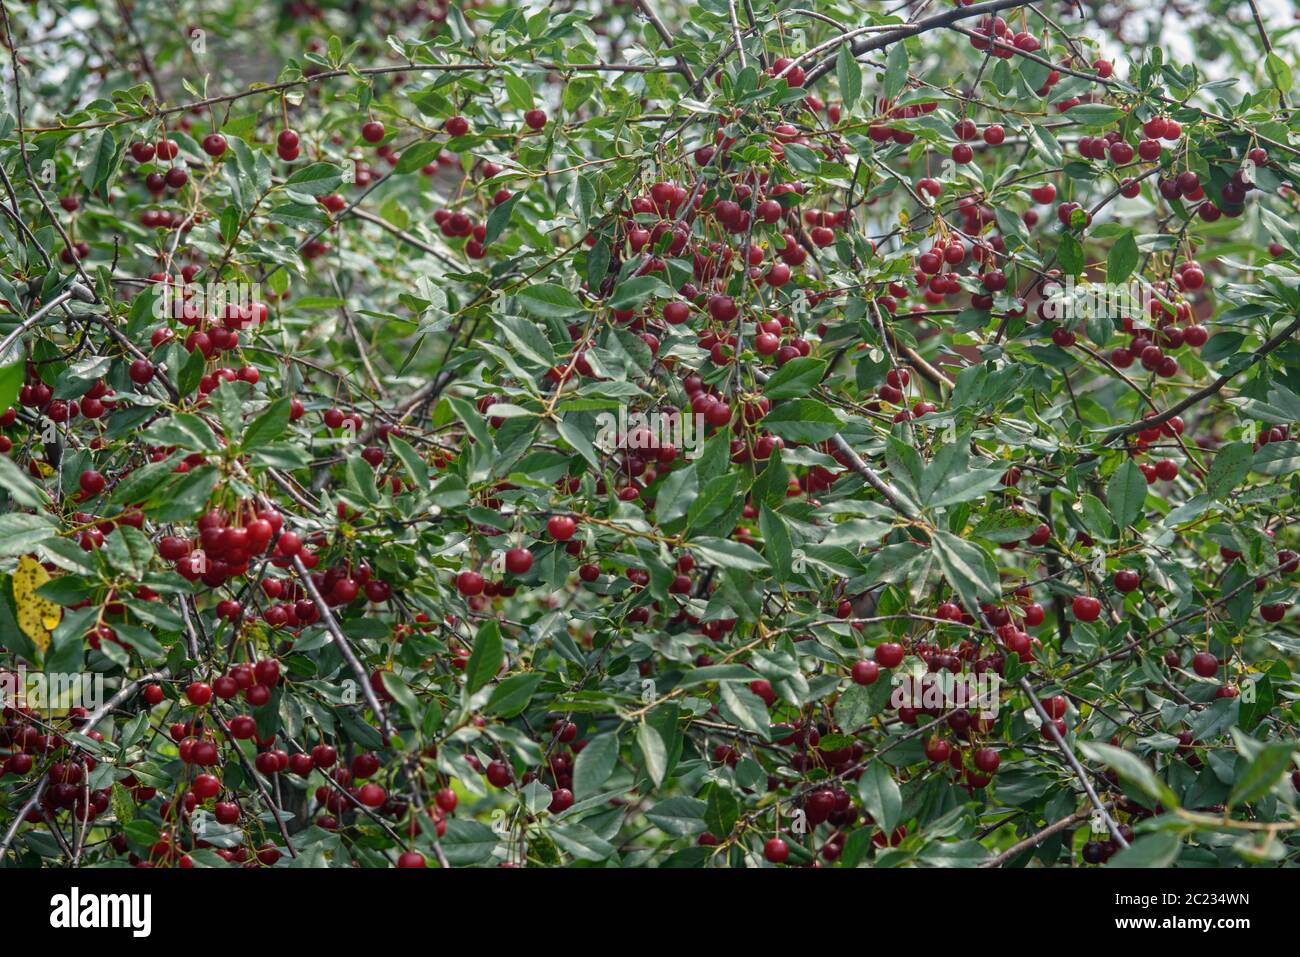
x,y
987,760
561,527
1205,664
1126,580
518,561
889,654
1086,608
776,850
865,672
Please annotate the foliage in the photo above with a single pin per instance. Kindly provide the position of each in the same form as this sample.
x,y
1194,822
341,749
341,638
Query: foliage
x,y
366,580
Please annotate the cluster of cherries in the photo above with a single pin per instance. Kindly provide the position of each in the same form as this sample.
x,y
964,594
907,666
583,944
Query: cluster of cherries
x,y
35,394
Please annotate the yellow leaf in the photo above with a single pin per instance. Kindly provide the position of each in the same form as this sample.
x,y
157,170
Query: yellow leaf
x,y
37,616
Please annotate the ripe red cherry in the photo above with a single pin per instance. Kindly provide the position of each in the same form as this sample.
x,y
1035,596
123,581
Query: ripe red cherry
x,y
1126,580
889,654
446,799
324,756
987,760
301,764
677,312
938,750
411,859
267,672
561,527
205,786
865,672
499,774
1205,664
1055,707
469,584
519,560
1086,608
776,850
364,765
199,693
535,119
372,795
226,812
153,695
373,131
214,144
457,126
1272,613
92,482
141,371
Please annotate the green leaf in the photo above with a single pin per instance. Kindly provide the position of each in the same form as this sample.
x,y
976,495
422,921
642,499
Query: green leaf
x,y
417,156
849,75
581,842
20,532
796,378
678,816
777,547
527,339
968,568
499,218
896,67
11,382
802,421
485,660
1278,458
742,707
728,554
1261,774
676,495
636,292
268,426
1070,255
594,764
859,703
22,490
549,301
1231,465
1278,72
415,466
652,752
511,696
880,795
721,811
1123,258
467,843
318,178
1131,769
1150,850
1126,493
